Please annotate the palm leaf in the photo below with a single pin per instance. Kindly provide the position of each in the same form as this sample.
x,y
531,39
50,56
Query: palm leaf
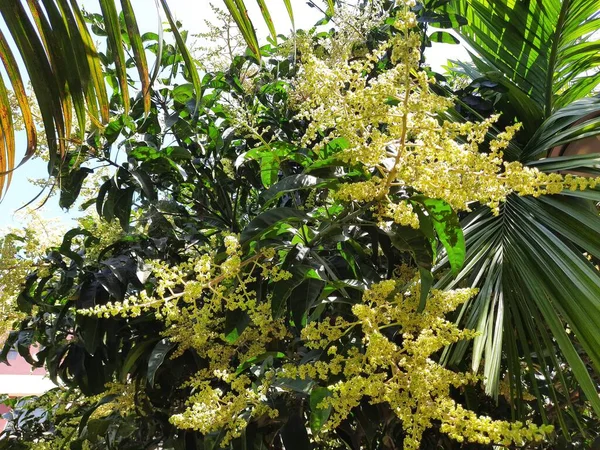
x,y
63,65
43,80
546,49
528,262
564,126
7,135
185,53
138,51
237,9
113,31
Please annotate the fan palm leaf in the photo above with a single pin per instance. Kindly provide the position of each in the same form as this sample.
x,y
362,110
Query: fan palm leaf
x,y
539,293
548,50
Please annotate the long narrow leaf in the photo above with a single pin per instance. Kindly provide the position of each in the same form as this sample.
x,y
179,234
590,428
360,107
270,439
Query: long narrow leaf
x,y
268,20
185,53
96,91
55,58
62,46
113,30
240,16
7,138
138,51
14,76
42,78
290,11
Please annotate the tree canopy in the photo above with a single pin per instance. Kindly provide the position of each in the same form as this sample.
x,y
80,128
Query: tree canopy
x,y
319,245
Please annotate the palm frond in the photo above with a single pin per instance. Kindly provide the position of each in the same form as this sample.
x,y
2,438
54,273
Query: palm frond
x,y
536,284
547,50
61,61
528,263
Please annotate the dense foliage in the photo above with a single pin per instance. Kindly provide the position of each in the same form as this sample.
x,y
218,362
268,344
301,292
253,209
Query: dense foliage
x,y
259,271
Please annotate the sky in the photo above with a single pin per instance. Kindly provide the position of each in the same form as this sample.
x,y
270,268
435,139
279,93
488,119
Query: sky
x,y
192,14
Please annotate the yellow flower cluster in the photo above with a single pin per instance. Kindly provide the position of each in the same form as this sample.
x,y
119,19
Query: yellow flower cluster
x,y
212,409
123,401
390,359
394,125
104,232
192,299
399,371
22,252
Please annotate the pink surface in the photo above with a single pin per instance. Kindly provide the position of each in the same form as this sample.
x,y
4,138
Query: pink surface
x,y
18,366
3,409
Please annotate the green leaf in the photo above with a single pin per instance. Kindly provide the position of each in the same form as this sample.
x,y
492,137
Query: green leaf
x,y
265,221
269,169
157,357
302,299
570,123
236,322
96,428
283,289
185,53
239,13
270,158
65,247
318,416
7,346
541,47
134,355
24,342
183,93
291,184
113,30
122,206
91,73
294,433
145,182
44,82
10,64
413,241
268,20
303,386
258,359
7,138
443,37
56,35
290,11
138,52
71,186
426,283
91,333
448,229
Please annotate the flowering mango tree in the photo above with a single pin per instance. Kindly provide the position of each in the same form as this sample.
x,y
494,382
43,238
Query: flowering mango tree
x,y
260,271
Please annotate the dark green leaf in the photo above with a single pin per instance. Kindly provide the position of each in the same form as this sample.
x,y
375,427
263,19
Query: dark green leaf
x,y
265,221
443,37
318,416
157,357
426,283
294,433
302,298
258,359
291,184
